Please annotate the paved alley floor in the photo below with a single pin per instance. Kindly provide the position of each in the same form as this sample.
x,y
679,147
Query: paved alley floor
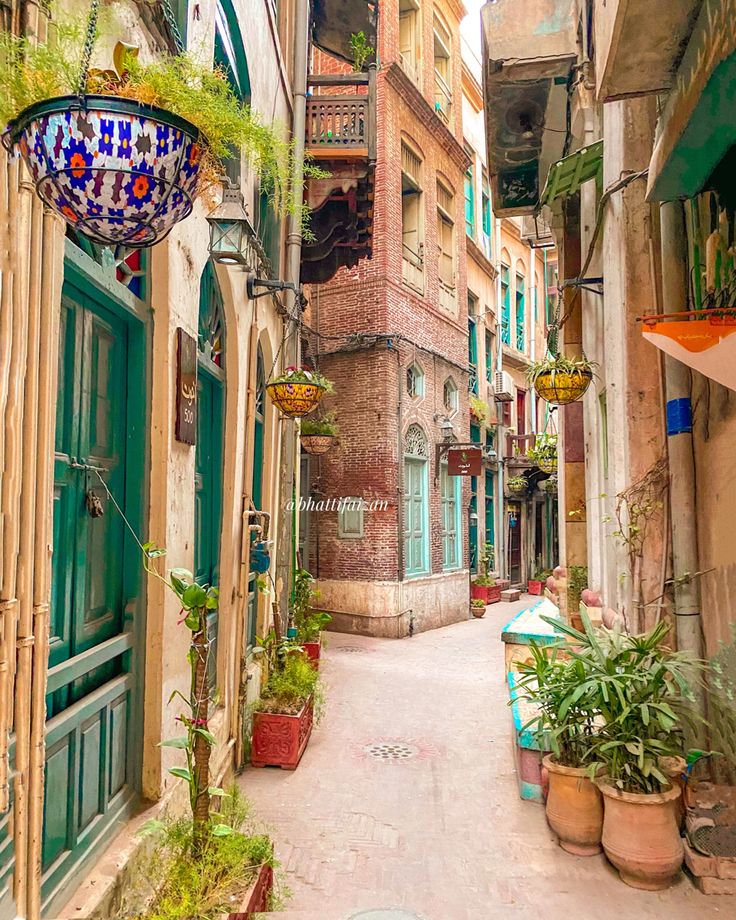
x,y
406,802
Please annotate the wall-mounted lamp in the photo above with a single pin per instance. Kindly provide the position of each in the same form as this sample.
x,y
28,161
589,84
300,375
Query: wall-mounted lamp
x,y
229,226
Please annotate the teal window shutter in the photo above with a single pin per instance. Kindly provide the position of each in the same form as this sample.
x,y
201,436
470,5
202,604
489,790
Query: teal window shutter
x,y
505,306
487,219
469,203
416,503
520,313
489,356
490,519
450,497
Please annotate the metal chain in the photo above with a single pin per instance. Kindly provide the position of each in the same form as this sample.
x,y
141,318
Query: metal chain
x,y
174,26
89,44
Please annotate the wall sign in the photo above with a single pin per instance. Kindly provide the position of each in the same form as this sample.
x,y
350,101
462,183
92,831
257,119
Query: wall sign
x,y
465,461
186,387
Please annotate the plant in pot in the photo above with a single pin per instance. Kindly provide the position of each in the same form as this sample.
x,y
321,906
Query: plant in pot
x,y
291,701
484,586
544,452
479,409
122,154
643,699
535,585
559,689
309,623
319,434
478,608
211,862
298,390
517,485
577,582
561,380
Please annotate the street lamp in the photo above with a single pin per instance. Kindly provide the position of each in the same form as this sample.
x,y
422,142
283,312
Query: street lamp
x,y
446,428
229,228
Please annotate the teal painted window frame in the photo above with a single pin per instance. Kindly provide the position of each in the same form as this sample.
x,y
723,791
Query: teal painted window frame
x,y
451,523
259,439
472,356
505,306
420,464
470,200
520,313
490,517
487,220
489,355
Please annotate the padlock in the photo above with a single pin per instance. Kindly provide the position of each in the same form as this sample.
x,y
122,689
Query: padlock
x,y
94,504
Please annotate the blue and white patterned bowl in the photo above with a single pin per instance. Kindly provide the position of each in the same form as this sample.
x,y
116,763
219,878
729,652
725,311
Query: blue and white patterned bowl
x,y
119,171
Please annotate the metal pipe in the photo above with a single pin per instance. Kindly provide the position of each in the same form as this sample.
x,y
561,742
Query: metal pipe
x,y
688,617
500,554
291,349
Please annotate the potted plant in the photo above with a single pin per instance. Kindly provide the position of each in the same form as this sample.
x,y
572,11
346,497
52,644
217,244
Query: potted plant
x,y
561,380
210,860
643,699
544,452
298,390
535,585
484,587
558,687
478,607
308,622
318,435
479,409
517,485
548,486
284,715
122,154
577,582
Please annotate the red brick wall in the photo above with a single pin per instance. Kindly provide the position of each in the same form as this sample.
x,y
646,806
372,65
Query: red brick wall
x,y
372,298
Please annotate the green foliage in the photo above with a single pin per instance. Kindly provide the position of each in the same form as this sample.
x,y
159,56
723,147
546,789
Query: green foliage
x,y
324,426
205,888
542,575
517,483
360,50
484,581
477,602
641,692
566,701
480,409
487,560
291,685
545,448
560,364
309,622
577,582
722,706
303,375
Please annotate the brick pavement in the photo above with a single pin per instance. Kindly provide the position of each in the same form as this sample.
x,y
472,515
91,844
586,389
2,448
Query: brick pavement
x,y
439,833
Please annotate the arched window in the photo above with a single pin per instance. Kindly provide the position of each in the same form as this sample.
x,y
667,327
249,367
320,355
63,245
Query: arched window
x,y
415,381
208,456
416,504
450,396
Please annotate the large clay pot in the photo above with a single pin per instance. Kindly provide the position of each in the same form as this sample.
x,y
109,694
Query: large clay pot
x,y
640,836
574,808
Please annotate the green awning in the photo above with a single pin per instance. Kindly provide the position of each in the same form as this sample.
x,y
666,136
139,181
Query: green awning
x,y
566,176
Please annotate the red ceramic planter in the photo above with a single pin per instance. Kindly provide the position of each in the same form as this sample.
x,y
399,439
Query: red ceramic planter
x,y
314,652
256,900
479,592
494,594
534,587
279,740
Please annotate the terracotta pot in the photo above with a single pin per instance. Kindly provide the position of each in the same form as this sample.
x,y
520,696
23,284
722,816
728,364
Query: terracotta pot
x,y
257,897
279,739
313,651
574,808
640,836
494,594
534,587
591,598
478,612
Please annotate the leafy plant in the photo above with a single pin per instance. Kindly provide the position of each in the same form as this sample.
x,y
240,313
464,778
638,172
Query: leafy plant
x,y
360,50
544,449
477,602
303,375
479,408
641,692
565,699
309,623
542,575
560,364
324,426
487,559
577,582
517,483
290,685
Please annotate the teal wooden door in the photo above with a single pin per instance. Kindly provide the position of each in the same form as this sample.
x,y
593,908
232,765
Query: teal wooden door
x,y
88,752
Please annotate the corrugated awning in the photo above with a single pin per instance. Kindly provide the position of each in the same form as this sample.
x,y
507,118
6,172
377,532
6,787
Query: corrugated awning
x,y
567,175
334,21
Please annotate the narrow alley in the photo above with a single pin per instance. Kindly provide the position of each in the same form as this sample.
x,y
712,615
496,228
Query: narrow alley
x,y
405,804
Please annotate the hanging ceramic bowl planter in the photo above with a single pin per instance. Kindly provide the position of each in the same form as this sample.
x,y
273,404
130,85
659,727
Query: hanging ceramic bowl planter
x,y
547,464
119,171
562,387
517,485
317,444
296,398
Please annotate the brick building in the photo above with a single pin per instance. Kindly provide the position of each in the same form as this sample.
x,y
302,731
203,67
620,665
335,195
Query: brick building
x,y
392,333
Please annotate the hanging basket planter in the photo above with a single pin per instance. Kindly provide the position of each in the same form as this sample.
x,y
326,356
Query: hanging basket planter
x,y
549,486
517,485
317,444
119,171
547,464
562,387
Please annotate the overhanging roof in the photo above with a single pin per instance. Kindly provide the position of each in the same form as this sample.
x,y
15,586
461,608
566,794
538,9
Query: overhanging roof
x,y
567,175
334,21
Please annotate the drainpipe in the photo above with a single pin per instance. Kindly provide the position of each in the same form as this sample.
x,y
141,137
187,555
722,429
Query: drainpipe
x,y
400,524
533,332
287,524
500,541
688,617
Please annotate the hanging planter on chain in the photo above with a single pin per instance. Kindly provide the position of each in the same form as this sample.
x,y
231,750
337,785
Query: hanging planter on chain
x,y
561,380
122,154
517,485
298,391
544,452
318,435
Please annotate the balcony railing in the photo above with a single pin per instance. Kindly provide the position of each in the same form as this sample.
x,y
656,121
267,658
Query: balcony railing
x,y
517,446
413,269
442,98
342,126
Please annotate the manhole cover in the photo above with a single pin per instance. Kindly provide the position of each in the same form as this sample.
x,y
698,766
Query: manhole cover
x,y
391,750
391,913
350,649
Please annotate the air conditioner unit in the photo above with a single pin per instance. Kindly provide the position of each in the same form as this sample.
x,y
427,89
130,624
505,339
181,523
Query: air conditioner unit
x,y
503,386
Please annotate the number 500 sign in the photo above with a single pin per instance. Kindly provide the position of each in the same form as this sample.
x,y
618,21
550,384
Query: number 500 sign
x,y
186,387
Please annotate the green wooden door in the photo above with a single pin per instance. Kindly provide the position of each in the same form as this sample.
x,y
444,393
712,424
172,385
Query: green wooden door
x,y
88,751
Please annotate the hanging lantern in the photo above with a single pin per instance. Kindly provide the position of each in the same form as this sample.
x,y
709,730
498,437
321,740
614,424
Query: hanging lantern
x,y
562,387
229,229
317,444
295,398
118,171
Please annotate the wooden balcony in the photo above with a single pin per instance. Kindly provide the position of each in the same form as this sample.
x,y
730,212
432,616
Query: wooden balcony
x,y
516,447
340,139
